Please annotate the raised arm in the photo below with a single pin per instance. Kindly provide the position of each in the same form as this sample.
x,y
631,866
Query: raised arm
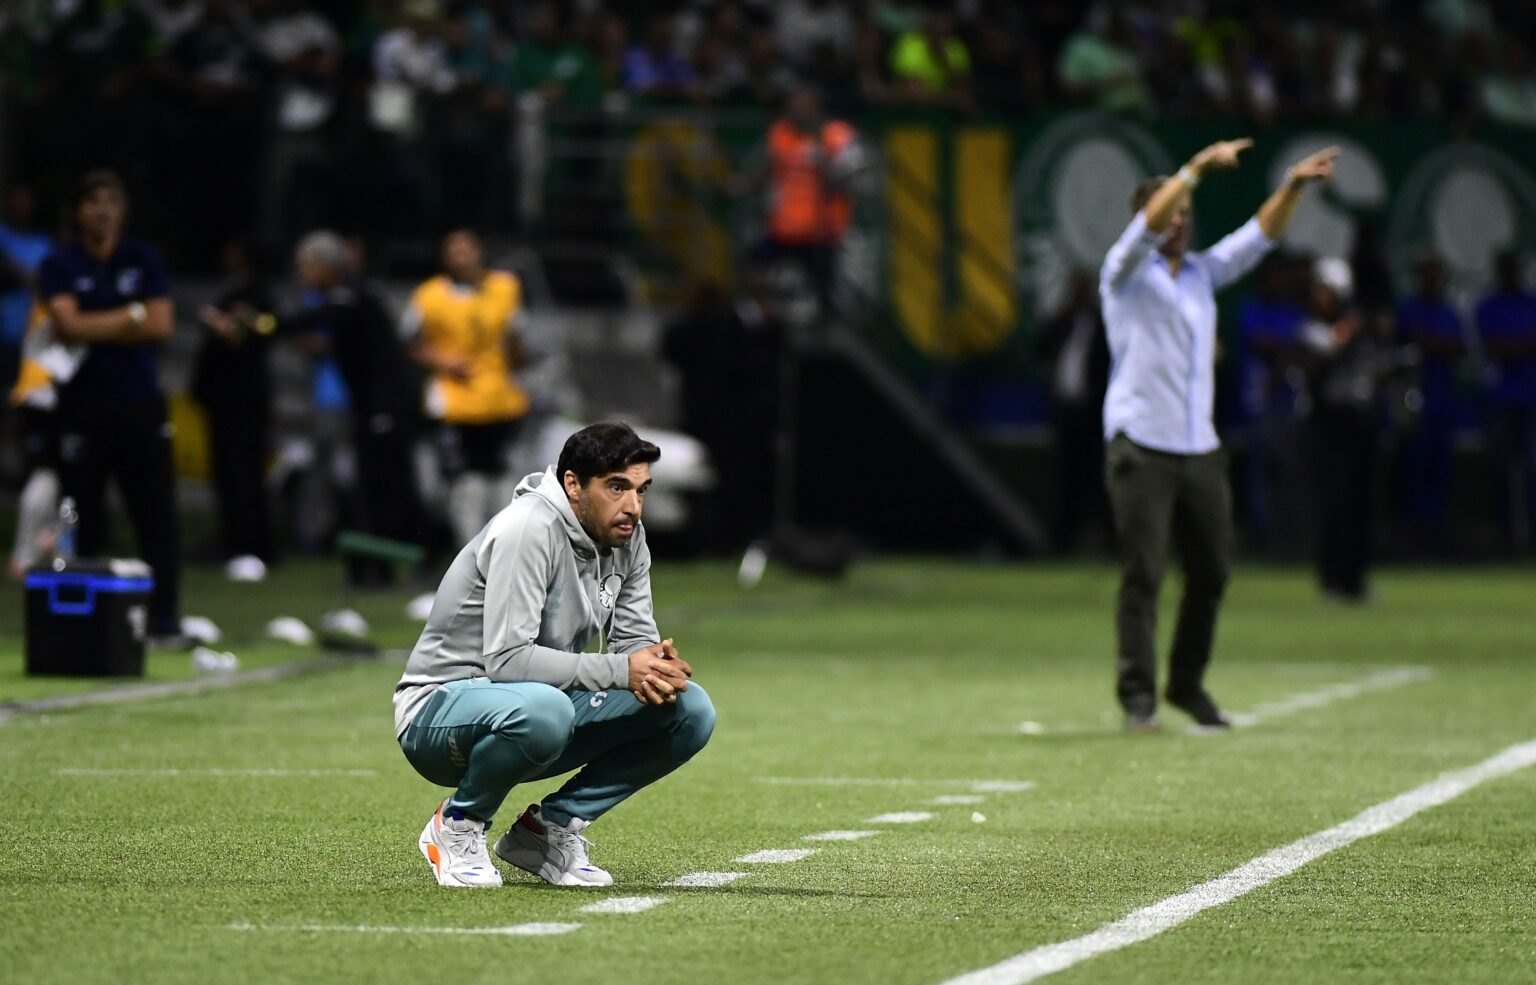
x,y
1136,245
1278,210
1173,193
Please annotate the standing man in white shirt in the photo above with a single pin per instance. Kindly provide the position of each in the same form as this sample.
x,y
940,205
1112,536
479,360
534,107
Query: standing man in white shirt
x,y
1164,468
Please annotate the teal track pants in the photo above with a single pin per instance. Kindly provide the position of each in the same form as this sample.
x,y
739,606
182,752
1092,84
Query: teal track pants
x,y
483,738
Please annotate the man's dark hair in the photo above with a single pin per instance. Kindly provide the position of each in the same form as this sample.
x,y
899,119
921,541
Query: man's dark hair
x,y
95,181
1144,189
603,449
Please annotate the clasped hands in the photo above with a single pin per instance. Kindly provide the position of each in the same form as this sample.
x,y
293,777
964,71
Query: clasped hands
x,y
657,675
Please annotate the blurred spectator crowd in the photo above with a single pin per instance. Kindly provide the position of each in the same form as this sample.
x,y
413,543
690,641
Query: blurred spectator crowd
x,y
394,117
241,125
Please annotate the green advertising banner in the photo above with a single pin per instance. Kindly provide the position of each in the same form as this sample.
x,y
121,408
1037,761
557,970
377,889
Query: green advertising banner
x,y
980,228
967,233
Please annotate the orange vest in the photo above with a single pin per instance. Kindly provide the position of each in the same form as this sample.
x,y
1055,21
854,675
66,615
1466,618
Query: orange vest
x,y
803,210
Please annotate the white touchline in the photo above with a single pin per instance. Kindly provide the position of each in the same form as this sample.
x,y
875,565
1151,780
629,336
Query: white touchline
x,y
625,904
703,880
165,689
840,835
1381,680
900,817
951,799
771,856
515,930
212,771
1169,913
983,786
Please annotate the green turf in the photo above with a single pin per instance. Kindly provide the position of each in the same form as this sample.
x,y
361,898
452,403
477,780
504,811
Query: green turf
x,y
912,669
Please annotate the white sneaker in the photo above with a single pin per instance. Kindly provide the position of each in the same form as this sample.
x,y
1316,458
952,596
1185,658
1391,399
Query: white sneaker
x,y
420,607
556,854
202,629
455,846
246,568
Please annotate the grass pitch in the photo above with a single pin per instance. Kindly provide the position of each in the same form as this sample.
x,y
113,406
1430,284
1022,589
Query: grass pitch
x,y
915,678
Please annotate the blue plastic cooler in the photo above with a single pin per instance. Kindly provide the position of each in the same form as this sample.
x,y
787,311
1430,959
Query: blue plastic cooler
x,y
88,619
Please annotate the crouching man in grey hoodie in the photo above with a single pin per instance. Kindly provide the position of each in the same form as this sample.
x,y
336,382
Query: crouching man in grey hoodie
x,y
500,690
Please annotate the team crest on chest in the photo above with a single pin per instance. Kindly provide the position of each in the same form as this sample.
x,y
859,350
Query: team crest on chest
x,y
128,281
608,590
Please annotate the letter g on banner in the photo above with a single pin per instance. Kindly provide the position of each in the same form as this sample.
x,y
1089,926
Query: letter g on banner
x,y
1071,200
1467,203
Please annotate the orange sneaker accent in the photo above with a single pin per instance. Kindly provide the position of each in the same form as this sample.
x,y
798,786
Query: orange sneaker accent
x,y
435,857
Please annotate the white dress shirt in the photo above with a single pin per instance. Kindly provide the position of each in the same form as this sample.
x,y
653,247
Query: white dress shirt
x,y
1162,335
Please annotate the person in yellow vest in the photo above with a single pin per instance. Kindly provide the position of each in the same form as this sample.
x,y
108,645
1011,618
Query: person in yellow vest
x,y
460,326
33,398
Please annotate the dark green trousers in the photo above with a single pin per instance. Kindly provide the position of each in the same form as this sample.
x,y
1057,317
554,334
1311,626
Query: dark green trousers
x,y
1158,499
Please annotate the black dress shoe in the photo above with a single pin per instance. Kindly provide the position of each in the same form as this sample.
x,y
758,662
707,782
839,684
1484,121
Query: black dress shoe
x,y
1141,713
1199,706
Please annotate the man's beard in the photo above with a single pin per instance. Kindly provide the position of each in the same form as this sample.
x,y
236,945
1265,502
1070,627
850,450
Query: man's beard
x,y
602,535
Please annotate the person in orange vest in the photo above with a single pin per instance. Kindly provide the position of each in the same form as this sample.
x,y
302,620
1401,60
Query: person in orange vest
x,y
811,162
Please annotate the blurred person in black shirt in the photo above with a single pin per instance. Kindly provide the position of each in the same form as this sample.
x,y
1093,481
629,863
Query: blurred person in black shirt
x,y
353,326
1348,355
729,357
107,301
1073,340
232,380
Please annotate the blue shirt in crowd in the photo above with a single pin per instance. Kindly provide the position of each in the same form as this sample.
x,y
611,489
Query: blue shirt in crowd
x,y
25,251
1511,316
112,372
1259,320
1437,319
328,390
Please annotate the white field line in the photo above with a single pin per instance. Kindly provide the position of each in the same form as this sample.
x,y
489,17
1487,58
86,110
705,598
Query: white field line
x,y
978,786
166,689
213,771
515,930
704,880
1167,914
900,817
953,799
625,904
1381,680
840,836
774,856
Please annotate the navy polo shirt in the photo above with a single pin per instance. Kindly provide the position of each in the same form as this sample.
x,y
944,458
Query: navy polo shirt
x,y
1511,316
112,372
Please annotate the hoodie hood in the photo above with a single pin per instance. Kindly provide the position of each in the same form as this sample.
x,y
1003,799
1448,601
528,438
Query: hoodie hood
x,y
545,486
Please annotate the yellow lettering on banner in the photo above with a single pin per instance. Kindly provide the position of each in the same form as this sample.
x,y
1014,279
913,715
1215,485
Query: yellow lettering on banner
x,y
673,170
984,214
984,315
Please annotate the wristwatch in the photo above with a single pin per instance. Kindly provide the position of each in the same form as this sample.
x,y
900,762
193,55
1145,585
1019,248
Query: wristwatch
x,y
137,313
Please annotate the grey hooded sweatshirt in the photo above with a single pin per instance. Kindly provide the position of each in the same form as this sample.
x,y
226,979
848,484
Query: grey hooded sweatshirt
x,y
526,597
